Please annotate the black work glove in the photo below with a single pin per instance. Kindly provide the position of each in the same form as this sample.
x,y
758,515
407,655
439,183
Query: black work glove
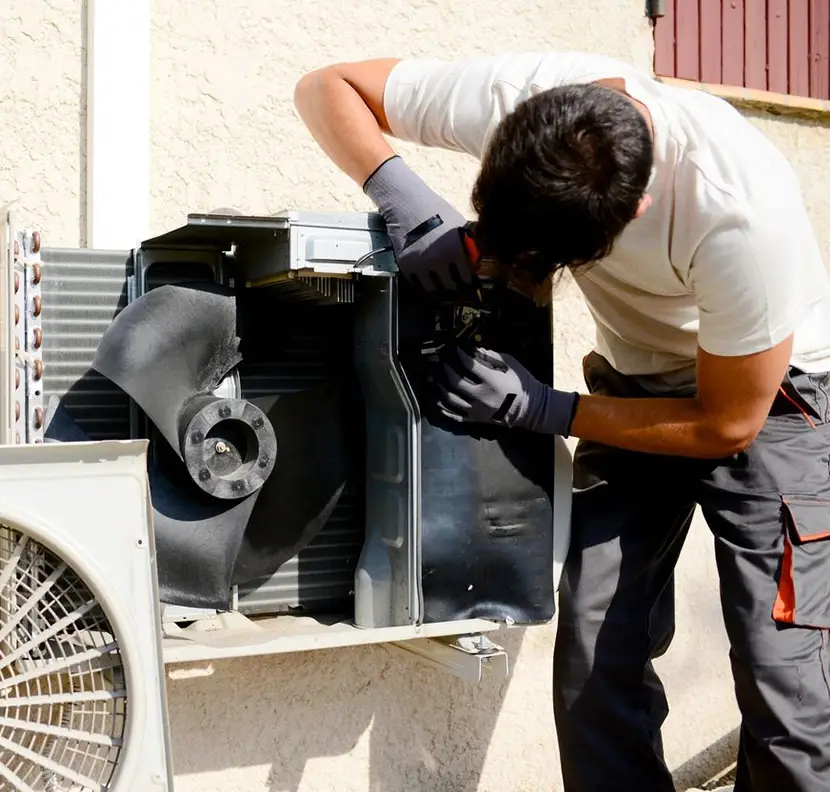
x,y
487,387
425,231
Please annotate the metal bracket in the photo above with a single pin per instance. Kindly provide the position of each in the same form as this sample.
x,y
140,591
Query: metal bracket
x,y
7,329
469,657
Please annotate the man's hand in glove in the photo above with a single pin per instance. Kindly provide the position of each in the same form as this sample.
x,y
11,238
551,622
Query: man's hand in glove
x,y
426,232
487,387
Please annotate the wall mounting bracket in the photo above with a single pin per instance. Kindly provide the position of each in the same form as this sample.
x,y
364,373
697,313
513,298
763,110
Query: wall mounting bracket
x,y
469,657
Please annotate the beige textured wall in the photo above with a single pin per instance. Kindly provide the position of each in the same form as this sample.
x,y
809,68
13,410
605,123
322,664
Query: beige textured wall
x,y
224,133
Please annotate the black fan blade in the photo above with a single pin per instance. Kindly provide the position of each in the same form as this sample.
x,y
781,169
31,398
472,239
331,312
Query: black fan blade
x,y
168,351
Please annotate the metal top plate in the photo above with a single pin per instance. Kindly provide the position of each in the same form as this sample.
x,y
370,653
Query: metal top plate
x,y
222,231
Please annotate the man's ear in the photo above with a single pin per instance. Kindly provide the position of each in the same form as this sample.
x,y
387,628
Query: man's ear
x,y
642,207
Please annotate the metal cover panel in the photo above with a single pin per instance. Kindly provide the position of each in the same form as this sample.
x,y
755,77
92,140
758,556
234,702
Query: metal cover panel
x,y
219,231
83,291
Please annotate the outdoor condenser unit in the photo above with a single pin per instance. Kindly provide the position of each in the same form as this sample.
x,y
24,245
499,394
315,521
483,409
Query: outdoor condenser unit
x,y
268,381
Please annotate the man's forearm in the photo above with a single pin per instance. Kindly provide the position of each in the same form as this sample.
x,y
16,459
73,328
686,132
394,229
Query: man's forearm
x,y
342,124
671,426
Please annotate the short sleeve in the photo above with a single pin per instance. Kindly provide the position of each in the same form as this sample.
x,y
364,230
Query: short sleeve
x,y
746,301
457,104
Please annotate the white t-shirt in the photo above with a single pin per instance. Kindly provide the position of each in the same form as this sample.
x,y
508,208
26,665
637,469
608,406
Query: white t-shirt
x,y
725,257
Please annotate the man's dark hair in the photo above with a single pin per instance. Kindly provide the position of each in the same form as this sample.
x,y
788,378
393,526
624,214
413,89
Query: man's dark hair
x,y
561,177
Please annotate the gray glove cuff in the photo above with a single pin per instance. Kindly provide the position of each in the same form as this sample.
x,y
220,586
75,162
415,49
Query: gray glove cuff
x,y
399,193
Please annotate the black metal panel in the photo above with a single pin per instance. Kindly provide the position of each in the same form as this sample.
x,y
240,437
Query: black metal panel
x,y
83,291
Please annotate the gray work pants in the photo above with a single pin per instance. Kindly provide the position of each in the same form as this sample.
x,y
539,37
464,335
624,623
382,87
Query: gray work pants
x,y
769,511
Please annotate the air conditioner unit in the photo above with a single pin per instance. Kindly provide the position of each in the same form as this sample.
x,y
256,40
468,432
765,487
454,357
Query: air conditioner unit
x,y
304,492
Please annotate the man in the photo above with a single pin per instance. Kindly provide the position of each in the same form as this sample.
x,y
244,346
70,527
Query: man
x,y
686,231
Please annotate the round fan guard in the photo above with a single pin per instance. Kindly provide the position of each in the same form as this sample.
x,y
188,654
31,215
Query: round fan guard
x,y
64,673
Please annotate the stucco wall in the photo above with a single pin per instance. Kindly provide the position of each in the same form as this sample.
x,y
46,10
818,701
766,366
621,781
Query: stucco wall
x,y
224,133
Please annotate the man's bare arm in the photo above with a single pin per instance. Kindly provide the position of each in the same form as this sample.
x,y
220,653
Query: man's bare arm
x,y
733,400
342,106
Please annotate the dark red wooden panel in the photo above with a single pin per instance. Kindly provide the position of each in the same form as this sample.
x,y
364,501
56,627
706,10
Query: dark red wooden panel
x,y
799,48
777,46
820,49
733,41
664,42
687,15
711,49
755,45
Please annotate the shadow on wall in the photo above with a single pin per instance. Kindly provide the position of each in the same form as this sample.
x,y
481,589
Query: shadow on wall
x,y
420,728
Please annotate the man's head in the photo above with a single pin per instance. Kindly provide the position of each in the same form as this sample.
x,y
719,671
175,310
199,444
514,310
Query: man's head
x,y
562,176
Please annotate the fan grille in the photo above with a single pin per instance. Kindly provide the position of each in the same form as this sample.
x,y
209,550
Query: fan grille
x,y
63,698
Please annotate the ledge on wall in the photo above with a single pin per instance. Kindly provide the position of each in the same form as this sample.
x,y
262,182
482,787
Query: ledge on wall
x,y
800,107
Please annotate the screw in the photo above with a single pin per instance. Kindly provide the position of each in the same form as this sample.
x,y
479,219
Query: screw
x,y
197,437
236,486
224,412
257,423
263,461
204,474
221,448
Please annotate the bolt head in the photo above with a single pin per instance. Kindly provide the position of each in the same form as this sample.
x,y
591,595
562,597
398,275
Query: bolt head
x,y
204,474
224,412
257,423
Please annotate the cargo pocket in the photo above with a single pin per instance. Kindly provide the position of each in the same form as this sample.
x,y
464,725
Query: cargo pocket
x,y
804,583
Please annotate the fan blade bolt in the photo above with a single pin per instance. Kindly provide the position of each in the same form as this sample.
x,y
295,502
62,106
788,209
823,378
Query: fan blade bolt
x,y
257,423
204,474
221,448
225,412
263,461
